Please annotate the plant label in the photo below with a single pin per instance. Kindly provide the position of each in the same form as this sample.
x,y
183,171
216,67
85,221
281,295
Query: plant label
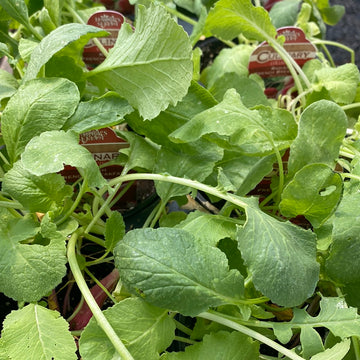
x,y
266,62
104,145
110,21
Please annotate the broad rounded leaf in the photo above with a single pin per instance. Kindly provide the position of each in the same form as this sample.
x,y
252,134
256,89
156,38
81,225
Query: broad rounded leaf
x,y
341,82
342,265
322,128
172,269
314,192
145,330
29,271
36,193
150,67
36,333
280,256
38,105
49,152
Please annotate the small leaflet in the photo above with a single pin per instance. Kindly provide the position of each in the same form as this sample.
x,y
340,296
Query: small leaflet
x,y
266,62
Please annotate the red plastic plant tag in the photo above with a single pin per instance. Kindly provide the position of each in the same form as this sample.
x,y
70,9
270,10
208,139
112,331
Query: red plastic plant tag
x,y
266,62
111,21
104,146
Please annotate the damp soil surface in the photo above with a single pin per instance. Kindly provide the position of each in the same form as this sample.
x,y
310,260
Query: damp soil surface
x,y
346,31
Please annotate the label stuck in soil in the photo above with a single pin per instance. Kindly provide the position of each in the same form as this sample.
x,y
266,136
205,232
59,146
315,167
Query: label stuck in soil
x,y
104,145
266,62
110,21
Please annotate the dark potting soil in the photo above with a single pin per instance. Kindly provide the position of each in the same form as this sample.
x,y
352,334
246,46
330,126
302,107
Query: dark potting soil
x,y
346,31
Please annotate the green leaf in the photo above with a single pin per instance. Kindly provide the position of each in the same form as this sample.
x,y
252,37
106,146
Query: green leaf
x,y
337,352
249,90
47,153
149,76
107,110
239,17
341,82
346,242
221,345
145,330
54,8
235,127
234,60
141,153
209,228
58,40
313,144
35,193
8,84
29,271
334,315
17,9
331,14
284,13
157,130
314,192
114,230
280,256
172,269
245,172
195,161
36,333
38,105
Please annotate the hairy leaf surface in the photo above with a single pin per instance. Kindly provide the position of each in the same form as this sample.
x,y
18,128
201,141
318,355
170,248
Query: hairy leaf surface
x,y
107,110
145,330
36,333
49,152
58,40
280,256
314,192
239,17
30,271
36,193
38,105
172,269
151,66
313,144
221,345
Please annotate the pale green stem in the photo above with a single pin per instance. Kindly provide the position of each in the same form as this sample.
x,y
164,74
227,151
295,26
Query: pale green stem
x,y
334,43
181,181
82,190
355,342
103,209
11,204
160,210
252,333
183,328
181,16
95,240
350,176
96,311
151,216
351,106
101,286
77,17
77,310
281,167
184,340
